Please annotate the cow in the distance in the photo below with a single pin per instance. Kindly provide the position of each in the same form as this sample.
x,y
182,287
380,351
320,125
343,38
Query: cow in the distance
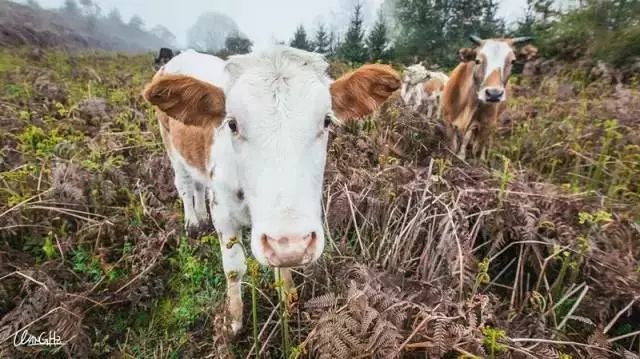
x,y
422,88
164,56
411,91
432,92
475,95
250,133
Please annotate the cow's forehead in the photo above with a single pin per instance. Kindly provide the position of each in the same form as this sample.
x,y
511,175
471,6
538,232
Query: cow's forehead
x,y
495,50
277,63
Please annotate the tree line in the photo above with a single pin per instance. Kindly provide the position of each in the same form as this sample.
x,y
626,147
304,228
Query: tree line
x,y
356,46
406,30
432,31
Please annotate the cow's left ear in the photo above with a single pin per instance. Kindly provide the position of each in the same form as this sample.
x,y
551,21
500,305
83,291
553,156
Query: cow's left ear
x,y
186,99
527,53
358,93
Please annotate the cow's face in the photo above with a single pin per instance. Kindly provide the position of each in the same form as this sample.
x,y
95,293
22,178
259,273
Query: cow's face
x,y
279,108
278,117
494,59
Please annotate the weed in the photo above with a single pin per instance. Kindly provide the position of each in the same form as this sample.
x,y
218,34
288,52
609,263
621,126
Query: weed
x,y
493,340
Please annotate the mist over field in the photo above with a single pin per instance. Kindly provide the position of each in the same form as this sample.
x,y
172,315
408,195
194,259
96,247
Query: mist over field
x,y
264,22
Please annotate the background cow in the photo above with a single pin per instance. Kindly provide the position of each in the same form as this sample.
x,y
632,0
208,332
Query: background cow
x,y
421,88
411,92
164,56
252,132
432,92
475,95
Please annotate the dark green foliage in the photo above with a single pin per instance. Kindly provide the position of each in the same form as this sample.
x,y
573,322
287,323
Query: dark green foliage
x,y
300,40
378,41
353,48
435,29
321,42
604,29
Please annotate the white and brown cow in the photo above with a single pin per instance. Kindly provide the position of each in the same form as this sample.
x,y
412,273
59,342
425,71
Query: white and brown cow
x,y
422,88
411,91
475,95
251,132
432,92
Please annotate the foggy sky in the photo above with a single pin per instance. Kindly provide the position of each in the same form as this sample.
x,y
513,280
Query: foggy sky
x,y
263,21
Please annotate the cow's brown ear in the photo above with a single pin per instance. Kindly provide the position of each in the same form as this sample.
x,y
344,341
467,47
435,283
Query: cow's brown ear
x,y
527,53
359,92
466,54
186,99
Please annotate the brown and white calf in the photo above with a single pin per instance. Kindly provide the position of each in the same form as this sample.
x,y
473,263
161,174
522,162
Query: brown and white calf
x,y
475,95
251,133
432,89
411,91
422,88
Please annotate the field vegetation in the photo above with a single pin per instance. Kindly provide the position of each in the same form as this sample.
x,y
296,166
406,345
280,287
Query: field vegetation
x,y
531,253
534,253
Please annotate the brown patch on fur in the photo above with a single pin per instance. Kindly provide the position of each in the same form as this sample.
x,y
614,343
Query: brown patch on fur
x,y
359,92
433,85
193,143
458,93
186,99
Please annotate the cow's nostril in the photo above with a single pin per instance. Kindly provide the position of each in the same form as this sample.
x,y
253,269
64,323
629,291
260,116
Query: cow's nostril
x,y
313,236
494,93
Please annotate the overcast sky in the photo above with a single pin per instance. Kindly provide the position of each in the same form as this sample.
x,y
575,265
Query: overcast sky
x,y
264,21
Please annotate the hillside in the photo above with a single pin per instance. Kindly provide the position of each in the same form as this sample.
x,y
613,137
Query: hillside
x,y
532,254
23,25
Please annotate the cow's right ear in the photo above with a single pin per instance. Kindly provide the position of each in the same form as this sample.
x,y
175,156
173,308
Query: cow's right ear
x,y
467,54
359,92
186,99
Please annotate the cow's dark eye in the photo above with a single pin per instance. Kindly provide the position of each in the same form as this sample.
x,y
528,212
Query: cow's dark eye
x,y
513,61
327,121
233,126
477,61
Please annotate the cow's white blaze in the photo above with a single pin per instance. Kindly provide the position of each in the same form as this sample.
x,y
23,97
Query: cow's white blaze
x,y
493,67
278,103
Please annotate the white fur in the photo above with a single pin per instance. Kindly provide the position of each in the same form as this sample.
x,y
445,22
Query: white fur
x,y
496,53
279,100
411,90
